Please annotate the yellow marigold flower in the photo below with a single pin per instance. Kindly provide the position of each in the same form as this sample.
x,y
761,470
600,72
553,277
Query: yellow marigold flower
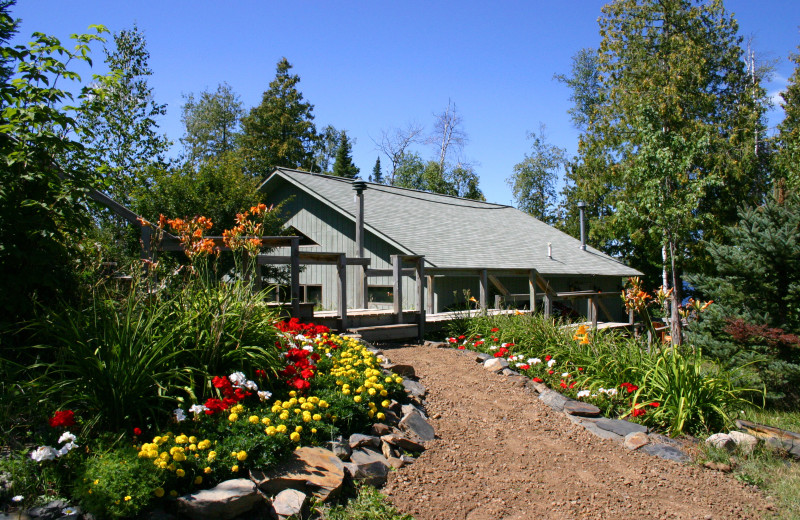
x,y
357,399
207,470
192,447
232,417
371,413
212,455
159,492
284,416
179,457
164,455
398,379
292,401
302,400
269,430
198,480
171,467
295,437
281,428
313,399
253,419
180,473
372,391
286,405
156,440
193,439
162,464
204,444
384,393
127,498
265,421
234,468
242,455
323,403
298,429
237,409
293,394
182,439
313,430
381,415
96,482
317,417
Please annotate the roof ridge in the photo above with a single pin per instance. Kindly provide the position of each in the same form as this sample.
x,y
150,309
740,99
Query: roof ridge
x,y
390,188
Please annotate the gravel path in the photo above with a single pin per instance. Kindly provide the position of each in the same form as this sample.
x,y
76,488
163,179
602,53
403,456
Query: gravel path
x,y
502,454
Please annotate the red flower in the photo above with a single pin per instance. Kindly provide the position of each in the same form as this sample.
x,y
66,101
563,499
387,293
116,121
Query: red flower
x,y
62,418
137,431
548,357
451,340
261,373
638,411
572,384
563,384
538,380
461,337
461,347
495,329
655,404
525,367
630,387
580,369
551,372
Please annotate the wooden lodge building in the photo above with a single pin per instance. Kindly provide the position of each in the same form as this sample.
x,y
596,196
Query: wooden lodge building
x,y
464,249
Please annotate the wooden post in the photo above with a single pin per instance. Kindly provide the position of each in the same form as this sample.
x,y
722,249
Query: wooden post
x,y
547,304
593,307
295,276
341,268
431,295
362,298
147,247
397,298
256,273
532,289
421,297
484,293
630,317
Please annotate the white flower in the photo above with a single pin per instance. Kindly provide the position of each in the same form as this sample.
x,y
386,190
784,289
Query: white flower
x,y
251,385
63,450
520,364
493,347
505,345
237,379
583,393
43,453
180,415
67,437
611,391
264,395
69,511
309,348
300,338
551,363
565,374
197,408
17,498
534,361
329,354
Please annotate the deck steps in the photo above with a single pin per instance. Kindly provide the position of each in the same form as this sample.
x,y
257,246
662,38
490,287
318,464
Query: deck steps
x,y
387,332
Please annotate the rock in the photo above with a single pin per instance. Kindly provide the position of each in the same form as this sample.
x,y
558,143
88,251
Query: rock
x,y
388,450
518,381
666,452
358,440
495,364
312,469
509,372
340,449
417,425
582,409
48,511
227,500
407,459
480,357
635,440
403,370
540,387
414,388
366,456
435,344
745,441
373,473
380,429
721,440
350,468
287,503
553,399
391,417
156,514
396,463
620,427
592,428
403,443
718,466
410,408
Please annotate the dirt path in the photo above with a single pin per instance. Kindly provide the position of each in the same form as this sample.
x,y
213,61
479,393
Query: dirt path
x,y
502,454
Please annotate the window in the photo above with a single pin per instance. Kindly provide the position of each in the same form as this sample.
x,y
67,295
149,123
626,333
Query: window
x,y
380,293
311,294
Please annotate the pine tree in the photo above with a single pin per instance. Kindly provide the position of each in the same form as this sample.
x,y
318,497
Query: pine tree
x,y
788,155
377,175
344,167
280,131
212,123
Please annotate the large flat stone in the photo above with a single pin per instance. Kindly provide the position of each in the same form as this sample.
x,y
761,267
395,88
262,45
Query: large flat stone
x,y
582,409
553,399
309,469
403,370
227,500
367,456
480,357
373,473
495,364
592,428
416,424
620,427
665,451
635,440
403,443
288,503
414,388
358,440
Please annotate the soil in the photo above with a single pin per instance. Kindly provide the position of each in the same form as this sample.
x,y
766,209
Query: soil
x,y
500,453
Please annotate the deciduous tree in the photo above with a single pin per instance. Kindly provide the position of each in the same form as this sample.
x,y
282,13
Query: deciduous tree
x,y
212,123
534,180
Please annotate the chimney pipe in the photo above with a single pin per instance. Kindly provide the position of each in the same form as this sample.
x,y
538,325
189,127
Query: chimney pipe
x,y
359,186
581,206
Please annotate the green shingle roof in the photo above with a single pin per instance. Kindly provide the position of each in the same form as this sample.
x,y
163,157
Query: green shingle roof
x,y
457,233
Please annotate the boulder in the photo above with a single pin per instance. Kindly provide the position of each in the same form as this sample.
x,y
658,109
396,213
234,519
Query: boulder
x,y
358,440
372,473
509,372
415,424
581,409
391,417
403,370
619,427
553,399
396,463
722,441
744,441
666,452
495,364
312,469
340,448
414,388
287,503
403,442
480,357
409,408
227,500
635,440
366,456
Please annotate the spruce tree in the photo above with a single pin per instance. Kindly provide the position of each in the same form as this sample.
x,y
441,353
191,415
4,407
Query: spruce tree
x,y
787,158
344,166
280,131
377,175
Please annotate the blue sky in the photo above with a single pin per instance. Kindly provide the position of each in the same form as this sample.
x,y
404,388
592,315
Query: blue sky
x,y
377,65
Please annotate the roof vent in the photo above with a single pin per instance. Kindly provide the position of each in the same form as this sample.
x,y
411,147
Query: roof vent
x,y
359,185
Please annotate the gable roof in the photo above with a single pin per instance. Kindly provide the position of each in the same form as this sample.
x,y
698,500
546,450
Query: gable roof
x,y
456,233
